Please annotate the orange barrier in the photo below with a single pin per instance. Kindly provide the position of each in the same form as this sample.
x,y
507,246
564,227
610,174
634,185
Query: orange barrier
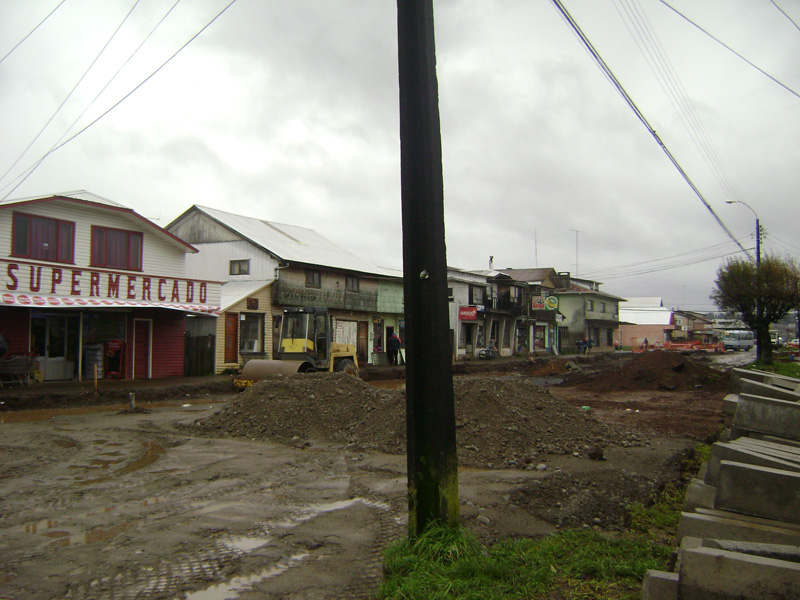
x,y
682,347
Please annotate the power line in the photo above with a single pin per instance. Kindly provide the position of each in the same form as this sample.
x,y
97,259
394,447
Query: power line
x,y
783,12
629,101
35,165
125,97
19,43
729,49
86,72
657,59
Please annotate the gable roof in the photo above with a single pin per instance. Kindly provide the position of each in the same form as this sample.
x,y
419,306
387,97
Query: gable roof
x,y
644,302
82,197
290,243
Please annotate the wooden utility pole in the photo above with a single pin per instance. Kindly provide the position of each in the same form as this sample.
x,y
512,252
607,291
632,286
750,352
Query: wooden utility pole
x,y
430,413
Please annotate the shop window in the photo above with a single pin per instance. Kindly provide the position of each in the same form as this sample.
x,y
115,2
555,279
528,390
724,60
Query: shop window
x,y
351,284
240,267
41,238
312,279
251,332
116,248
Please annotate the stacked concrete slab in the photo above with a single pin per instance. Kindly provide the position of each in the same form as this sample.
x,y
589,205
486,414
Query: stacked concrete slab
x,y
739,532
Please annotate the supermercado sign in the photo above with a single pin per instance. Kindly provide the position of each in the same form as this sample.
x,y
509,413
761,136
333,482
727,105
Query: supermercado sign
x,y
47,285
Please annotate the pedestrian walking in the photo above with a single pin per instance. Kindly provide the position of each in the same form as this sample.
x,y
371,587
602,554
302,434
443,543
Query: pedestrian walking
x,y
393,347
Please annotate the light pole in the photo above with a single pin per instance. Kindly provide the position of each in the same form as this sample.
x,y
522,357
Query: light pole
x,y
759,314
758,228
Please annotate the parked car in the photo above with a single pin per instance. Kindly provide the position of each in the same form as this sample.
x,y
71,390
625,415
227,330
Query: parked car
x,y
794,343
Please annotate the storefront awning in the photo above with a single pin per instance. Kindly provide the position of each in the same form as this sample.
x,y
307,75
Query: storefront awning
x,y
56,302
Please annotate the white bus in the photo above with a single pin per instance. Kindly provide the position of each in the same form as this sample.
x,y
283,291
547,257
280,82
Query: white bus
x,y
738,339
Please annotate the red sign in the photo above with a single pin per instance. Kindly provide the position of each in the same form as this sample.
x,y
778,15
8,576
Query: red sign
x,y
468,313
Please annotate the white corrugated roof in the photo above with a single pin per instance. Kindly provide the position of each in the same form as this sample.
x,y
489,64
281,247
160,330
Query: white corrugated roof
x,y
643,302
296,244
645,316
235,291
77,195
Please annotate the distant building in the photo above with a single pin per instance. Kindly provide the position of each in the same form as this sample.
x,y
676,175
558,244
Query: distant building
x,y
645,319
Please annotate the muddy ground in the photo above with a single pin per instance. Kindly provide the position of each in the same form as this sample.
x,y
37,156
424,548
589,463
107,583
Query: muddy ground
x,y
290,489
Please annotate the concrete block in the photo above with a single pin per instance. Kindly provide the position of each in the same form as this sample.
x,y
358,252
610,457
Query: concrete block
x,y
751,454
758,388
729,404
699,494
724,514
717,526
767,444
660,585
768,415
738,375
776,551
712,574
759,491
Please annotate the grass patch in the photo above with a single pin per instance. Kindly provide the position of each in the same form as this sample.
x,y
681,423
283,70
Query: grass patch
x,y
779,367
577,564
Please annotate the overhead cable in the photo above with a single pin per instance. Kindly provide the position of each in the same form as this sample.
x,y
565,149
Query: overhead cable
x,y
63,102
126,96
629,101
783,12
646,38
33,167
729,49
19,43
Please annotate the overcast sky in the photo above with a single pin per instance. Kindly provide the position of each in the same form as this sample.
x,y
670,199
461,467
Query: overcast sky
x,y
288,111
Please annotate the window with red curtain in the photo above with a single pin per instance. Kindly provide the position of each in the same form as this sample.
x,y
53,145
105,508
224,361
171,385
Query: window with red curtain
x,y
42,238
116,248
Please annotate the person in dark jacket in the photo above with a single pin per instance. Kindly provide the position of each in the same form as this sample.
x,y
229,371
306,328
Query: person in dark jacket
x,y
393,347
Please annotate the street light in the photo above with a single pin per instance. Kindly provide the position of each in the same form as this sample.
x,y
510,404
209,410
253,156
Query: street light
x,y
758,264
758,228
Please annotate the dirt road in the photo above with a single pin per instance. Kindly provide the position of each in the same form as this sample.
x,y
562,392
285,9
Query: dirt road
x,y
190,500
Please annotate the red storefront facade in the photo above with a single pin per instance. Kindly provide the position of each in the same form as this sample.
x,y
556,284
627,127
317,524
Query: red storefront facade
x,y
91,288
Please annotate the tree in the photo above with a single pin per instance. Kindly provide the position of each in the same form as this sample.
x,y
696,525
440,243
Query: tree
x,y
761,293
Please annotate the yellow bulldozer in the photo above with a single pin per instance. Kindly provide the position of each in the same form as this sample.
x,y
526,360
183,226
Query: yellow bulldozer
x,y
305,347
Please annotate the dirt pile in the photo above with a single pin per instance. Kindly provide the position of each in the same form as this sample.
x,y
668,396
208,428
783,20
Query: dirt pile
x,y
656,370
502,422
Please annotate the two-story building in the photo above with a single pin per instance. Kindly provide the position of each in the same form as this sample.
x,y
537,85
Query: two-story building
x,y
93,288
267,266
542,314
467,292
589,314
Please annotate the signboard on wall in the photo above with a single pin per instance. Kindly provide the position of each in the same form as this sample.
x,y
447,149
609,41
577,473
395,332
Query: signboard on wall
x,y
34,284
544,303
467,313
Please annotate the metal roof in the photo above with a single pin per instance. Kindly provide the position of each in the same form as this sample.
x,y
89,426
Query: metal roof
x,y
236,291
84,197
295,244
646,316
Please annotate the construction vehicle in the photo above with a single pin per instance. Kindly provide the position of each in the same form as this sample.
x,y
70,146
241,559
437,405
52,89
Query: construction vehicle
x,y
305,347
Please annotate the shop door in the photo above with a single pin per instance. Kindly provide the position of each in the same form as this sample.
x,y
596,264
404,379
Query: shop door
x,y
55,339
231,337
142,348
363,340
